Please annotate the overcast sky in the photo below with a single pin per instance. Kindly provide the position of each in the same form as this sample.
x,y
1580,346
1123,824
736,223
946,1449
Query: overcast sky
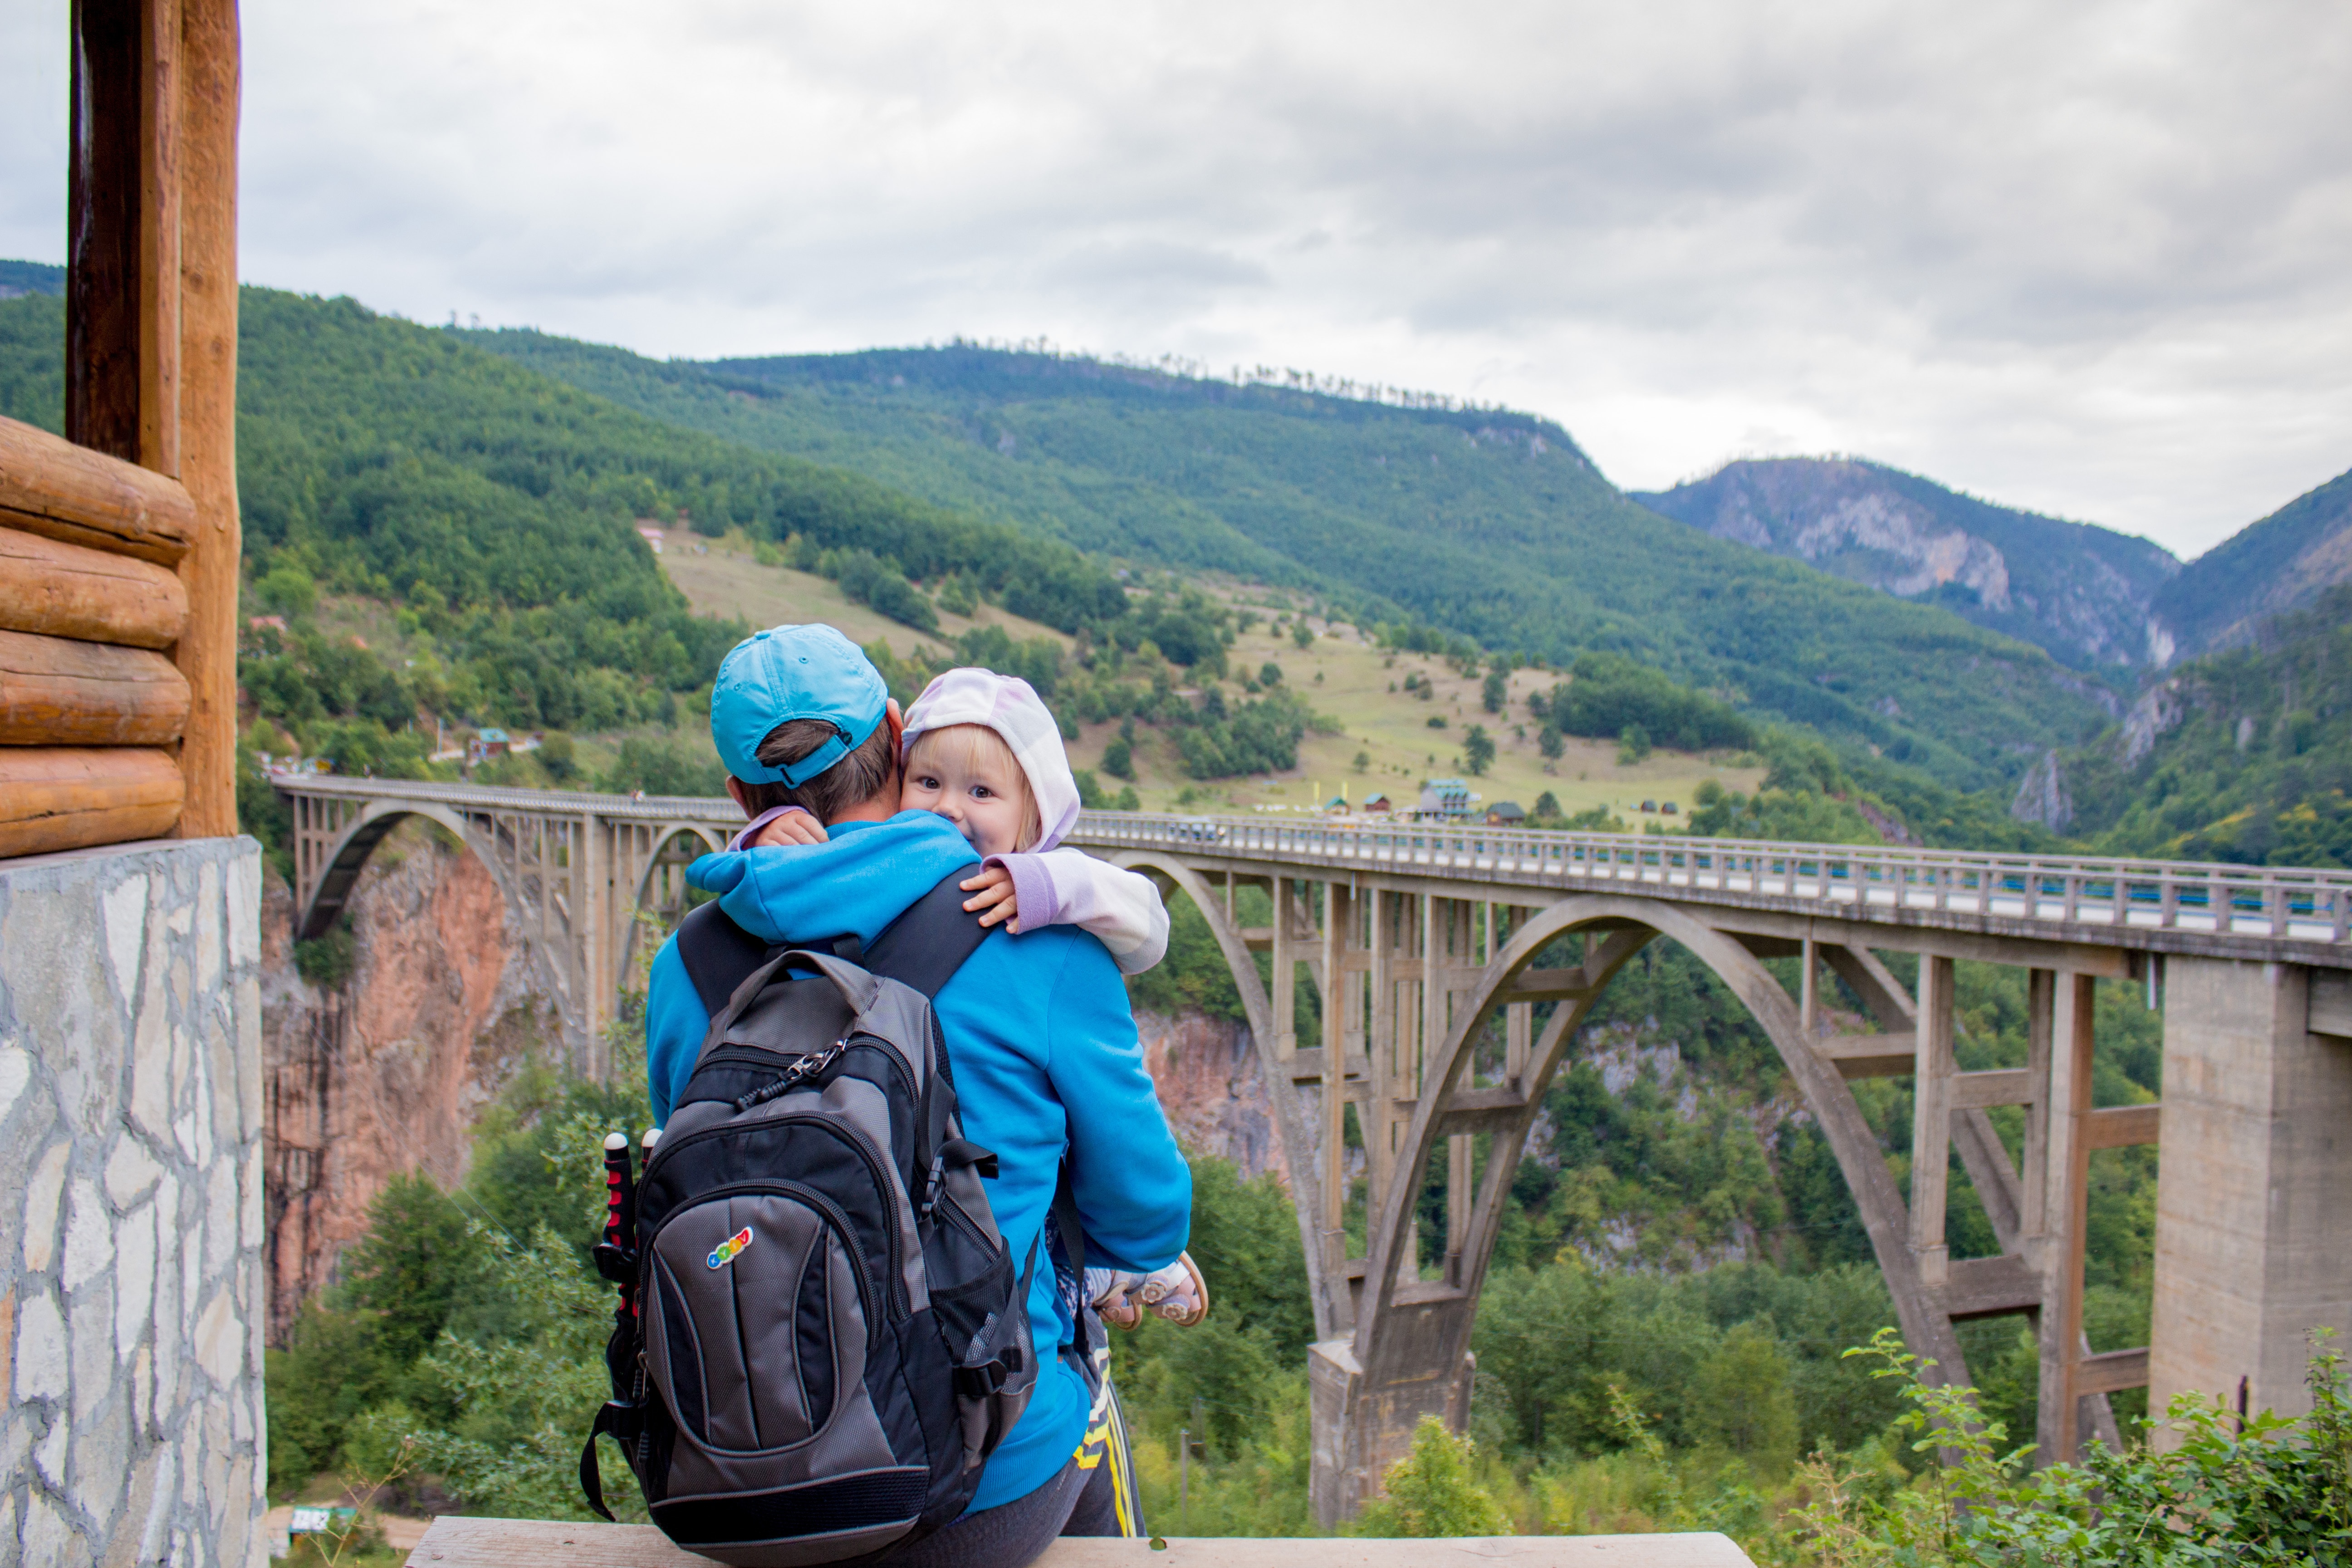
x,y
2093,259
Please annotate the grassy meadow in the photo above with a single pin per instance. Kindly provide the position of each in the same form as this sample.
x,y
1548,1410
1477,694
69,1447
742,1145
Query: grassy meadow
x,y
1339,674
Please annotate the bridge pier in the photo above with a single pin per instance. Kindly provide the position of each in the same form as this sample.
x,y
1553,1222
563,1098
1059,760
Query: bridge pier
x,y
2253,1206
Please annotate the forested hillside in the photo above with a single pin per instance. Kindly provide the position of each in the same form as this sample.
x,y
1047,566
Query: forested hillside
x,y
2081,592
2244,755
1489,523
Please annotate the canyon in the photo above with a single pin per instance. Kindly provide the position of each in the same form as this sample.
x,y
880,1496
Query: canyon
x,y
387,1071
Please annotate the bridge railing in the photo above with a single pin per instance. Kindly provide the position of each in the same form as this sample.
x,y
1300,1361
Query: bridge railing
x,y
2307,904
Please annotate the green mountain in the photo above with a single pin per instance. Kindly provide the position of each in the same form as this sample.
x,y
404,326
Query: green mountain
x,y
2241,755
2079,591
494,506
1487,523
18,279
2283,563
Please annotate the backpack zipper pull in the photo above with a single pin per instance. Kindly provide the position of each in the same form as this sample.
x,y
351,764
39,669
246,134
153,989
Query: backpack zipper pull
x,y
806,1068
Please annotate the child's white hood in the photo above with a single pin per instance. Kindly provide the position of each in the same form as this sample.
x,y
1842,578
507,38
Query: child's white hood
x,y
1008,705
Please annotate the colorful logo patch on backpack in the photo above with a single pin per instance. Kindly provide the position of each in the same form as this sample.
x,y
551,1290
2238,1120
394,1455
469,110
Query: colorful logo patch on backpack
x,y
726,1250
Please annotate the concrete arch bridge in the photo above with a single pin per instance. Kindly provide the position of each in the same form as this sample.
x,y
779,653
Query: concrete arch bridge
x,y
1454,966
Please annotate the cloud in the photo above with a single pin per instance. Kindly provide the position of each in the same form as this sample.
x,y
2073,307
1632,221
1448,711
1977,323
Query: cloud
x,y
2085,259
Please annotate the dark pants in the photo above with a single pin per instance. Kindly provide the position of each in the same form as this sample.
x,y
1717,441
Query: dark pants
x,y
1075,1502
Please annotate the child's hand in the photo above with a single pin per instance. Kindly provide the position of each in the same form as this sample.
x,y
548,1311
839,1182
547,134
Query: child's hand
x,y
1177,1293
792,827
993,888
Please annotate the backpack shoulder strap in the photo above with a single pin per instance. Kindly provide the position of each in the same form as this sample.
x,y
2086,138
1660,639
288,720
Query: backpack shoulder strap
x,y
719,954
930,938
922,948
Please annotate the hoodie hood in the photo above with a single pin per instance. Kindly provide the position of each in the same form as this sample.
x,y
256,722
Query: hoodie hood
x,y
863,878
1010,706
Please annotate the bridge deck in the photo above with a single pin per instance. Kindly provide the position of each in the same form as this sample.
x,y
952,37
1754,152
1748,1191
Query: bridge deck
x,y
2263,912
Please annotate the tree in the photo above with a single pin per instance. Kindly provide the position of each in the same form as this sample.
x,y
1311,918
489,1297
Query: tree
x,y
1549,743
1363,761
1301,633
1269,674
1743,1398
1633,746
1118,759
1497,690
1478,750
1546,805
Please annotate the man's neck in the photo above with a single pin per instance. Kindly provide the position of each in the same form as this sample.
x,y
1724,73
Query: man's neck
x,y
881,808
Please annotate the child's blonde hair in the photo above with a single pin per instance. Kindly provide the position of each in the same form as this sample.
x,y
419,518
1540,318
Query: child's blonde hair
x,y
969,746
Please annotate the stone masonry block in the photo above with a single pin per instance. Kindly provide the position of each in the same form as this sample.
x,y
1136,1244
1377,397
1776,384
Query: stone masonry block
x,y
209,943
125,907
43,1371
102,1458
220,1340
89,1327
15,1076
134,1279
131,1172
42,1196
90,1235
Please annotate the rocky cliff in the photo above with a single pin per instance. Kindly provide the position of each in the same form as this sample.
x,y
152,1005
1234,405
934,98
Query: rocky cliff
x,y
1212,1089
2080,592
385,1073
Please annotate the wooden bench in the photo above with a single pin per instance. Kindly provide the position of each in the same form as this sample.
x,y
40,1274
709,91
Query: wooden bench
x,y
545,1543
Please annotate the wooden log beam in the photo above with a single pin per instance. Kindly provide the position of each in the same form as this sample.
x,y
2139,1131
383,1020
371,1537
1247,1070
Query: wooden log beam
x,y
67,590
60,490
58,798
58,693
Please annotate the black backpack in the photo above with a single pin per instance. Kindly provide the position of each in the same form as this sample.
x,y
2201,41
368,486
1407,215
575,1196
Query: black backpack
x,y
828,1335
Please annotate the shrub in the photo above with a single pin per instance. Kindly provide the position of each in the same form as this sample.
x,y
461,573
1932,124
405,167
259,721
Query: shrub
x,y
1430,1493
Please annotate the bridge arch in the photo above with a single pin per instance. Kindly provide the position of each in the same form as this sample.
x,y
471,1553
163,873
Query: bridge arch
x,y
1257,1011
1383,1332
346,855
577,887
1393,1347
659,865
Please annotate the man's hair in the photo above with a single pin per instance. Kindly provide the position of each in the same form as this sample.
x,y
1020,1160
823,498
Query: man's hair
x,y
853,780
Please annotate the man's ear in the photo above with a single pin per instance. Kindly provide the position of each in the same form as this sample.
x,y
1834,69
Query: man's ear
x,y
898,722
735,791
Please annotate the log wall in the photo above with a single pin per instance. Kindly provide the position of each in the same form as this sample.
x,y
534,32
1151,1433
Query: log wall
x,y
119,543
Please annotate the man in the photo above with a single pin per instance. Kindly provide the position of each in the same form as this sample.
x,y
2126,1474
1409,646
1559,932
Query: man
x,y
1043,1045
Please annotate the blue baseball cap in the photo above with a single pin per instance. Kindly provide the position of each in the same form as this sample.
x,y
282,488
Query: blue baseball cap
x,y
793,672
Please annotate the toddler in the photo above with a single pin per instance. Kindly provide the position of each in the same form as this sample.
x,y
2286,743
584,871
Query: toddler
x,y
983,751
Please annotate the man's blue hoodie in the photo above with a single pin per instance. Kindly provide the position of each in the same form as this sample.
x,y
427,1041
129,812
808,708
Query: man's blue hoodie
x,y
1047,1065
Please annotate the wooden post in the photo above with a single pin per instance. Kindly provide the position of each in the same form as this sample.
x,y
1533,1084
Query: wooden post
x,y
2067,1169
1931,1123
206,407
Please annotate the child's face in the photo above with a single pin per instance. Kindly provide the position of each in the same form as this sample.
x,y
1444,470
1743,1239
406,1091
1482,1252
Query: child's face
x,y
985,797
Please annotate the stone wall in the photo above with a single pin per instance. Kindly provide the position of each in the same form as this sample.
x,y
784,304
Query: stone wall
x,y
131,1293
